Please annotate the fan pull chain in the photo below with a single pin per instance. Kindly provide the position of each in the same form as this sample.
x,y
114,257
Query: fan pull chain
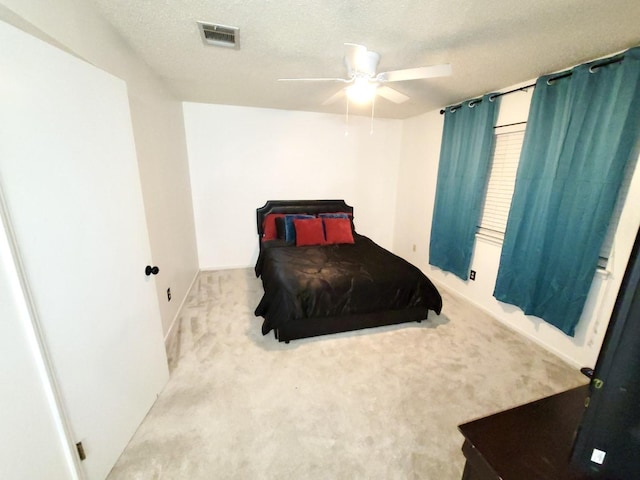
x,y
373,106
346,122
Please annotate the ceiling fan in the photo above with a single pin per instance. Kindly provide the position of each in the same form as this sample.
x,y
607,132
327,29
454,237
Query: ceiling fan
x,y
363,81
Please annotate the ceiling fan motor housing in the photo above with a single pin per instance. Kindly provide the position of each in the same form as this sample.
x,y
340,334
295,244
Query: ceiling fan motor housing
x,y
366,62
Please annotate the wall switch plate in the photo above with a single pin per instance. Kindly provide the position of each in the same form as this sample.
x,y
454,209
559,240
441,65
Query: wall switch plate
x,y
168,294
472,275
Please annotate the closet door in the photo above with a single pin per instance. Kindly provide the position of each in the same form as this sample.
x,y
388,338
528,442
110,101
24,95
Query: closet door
x,y
69,175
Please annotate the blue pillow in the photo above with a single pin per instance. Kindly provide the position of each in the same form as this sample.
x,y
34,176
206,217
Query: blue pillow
x,y
289,227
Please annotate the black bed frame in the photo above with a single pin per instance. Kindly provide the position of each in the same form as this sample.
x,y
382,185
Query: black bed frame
x,y
326,325
314,327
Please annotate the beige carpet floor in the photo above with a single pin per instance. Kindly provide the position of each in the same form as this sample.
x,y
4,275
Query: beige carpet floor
x,y
381,403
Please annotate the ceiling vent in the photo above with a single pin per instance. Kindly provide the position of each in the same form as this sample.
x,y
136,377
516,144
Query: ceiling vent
x,y
220,35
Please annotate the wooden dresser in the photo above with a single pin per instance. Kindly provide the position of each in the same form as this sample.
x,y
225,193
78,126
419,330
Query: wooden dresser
x,y
530,442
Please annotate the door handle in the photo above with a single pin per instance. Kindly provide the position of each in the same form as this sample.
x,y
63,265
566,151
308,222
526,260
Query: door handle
x,y
151,270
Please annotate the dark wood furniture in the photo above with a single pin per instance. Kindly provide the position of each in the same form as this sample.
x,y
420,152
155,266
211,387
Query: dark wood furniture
x,y
530,442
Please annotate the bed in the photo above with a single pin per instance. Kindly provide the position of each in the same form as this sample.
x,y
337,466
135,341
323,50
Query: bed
x,y
315,289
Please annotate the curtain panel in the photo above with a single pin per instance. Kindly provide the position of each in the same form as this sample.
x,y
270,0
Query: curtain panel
x,y
583,129
465,156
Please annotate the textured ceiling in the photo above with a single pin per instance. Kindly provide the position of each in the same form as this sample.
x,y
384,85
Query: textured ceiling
x,y
491,44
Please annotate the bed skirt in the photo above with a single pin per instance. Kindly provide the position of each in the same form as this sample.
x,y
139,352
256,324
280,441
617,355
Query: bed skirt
x,y
322,326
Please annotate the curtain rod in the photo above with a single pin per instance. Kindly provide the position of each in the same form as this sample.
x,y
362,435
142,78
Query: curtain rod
x,y
496,95
608,61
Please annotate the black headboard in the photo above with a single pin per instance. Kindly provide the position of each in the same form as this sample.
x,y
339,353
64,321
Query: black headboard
x,y
300,206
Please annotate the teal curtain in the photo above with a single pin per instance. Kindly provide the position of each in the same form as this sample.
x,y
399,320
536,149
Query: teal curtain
x,y
582,130
465,157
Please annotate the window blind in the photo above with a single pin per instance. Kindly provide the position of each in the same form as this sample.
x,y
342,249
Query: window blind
x,y
502,178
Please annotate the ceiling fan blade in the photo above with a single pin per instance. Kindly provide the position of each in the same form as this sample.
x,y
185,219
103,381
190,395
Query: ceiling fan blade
x,y
334,98
354,56
391,94
343,80
415,73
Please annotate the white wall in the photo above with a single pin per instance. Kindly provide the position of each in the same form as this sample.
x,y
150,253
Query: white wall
x,y
157,126
240,157
416,193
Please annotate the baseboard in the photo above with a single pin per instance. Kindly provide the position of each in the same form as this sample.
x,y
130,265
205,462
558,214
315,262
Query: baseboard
x,y
229,267
174,322
513,328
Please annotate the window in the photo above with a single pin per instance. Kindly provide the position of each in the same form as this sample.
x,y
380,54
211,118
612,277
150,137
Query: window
x,y
502,179
501,183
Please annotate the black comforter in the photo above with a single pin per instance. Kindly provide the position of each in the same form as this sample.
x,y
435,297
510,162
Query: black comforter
x,y
334,280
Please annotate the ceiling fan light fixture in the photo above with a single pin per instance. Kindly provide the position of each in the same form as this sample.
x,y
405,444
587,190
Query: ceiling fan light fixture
x,y
364,83
362,91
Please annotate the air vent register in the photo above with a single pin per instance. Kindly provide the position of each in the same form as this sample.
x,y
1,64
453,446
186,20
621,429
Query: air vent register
x,y
219,35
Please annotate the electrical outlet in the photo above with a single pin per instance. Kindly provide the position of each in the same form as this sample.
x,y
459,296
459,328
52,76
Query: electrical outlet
x,y
472,275
168,294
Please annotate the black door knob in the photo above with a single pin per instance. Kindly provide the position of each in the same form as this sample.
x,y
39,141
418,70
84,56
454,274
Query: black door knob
x,y
151,270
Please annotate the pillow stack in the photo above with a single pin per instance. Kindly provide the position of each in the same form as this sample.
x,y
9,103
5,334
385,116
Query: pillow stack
x,y
302,229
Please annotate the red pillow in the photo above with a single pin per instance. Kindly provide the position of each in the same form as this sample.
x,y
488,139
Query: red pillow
x,y
309,231
338,230
269,226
